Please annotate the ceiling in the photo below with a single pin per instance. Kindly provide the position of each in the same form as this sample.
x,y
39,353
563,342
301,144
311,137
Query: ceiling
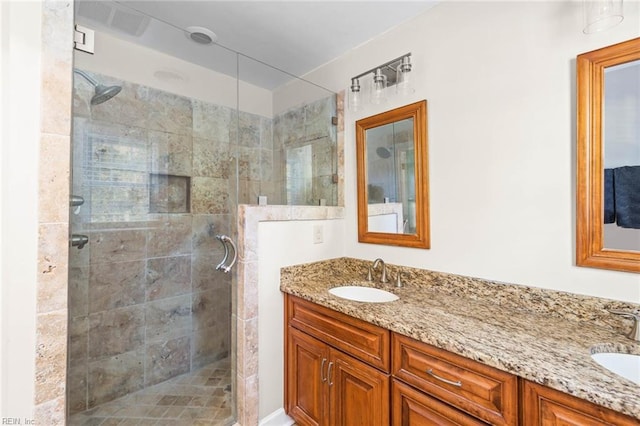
x,y
293,36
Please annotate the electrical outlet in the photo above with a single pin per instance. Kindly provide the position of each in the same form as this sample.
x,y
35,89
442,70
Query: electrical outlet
x,y
318,234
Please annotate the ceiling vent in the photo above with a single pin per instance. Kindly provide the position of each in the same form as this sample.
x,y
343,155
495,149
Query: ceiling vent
x,y
114,16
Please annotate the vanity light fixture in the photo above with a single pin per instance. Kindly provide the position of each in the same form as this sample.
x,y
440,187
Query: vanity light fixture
x,y
600,15
396,72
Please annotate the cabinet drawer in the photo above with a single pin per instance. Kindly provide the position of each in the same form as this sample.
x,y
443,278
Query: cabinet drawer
x,y
413,408
358,338
482,391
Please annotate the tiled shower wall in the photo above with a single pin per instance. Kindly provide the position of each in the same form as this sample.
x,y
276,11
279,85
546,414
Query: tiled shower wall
x,y
146,303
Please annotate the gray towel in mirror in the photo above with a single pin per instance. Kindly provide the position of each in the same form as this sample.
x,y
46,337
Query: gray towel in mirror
x,y
626,187
609,205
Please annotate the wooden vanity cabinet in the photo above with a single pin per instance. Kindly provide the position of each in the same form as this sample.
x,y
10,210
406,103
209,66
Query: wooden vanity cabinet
x,y
326,386
543,406
338,373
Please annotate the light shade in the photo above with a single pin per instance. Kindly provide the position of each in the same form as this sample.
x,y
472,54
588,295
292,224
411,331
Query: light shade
x,y
355,95
378,88
600,15
404,82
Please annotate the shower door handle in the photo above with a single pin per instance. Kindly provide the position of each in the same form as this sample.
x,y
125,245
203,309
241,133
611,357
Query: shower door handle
x,y
225,240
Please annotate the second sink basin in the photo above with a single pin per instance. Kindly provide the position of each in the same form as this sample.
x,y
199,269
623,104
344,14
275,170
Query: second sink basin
x,y
363,294
625,365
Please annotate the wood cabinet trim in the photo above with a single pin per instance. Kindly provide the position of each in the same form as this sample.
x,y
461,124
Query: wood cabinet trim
x,y
358,338
545,406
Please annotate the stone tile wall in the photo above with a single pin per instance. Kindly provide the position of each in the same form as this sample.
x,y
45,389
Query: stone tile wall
x,y
146,303
305,153
53,182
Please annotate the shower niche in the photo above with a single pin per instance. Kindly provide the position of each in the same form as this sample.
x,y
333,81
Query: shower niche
x,y
169,193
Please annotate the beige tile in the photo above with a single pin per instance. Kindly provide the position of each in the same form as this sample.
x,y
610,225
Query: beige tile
x,y
209,195
247,296
249,163
56,94
204,229
116,285
53,277
204,273
78,291
168,112
170,153
166,360
167,277
209,344
50,413
51,356
115,332
173,412
210,308
118,246
168,318
211,158
211,121
53,187
78,339
113,377
248,345
77,387
170,237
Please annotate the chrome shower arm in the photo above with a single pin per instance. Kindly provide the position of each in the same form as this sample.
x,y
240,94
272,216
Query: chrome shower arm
x,y
87,77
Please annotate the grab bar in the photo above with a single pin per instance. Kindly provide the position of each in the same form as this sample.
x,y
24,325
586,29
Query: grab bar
x,y
222,265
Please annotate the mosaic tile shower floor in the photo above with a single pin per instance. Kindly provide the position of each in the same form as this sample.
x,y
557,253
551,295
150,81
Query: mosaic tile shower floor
x,y
203,397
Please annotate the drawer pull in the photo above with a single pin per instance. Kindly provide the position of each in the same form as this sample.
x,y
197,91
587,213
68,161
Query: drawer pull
x,y
324,379
442,379
329,371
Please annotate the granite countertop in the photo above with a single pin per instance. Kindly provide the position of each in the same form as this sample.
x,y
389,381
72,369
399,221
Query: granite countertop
x,y
530,343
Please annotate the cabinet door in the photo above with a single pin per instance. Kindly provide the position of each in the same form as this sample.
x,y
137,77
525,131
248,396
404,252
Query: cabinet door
x,y
359,393
308,360
411,407
544,406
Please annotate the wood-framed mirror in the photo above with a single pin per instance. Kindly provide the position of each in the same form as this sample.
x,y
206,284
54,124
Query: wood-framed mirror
x,y
608,163
393,191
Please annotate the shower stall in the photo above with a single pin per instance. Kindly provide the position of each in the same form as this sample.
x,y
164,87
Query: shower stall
x,y
163,153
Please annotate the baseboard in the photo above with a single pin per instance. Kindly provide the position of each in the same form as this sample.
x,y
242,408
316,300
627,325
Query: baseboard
x,y
277,418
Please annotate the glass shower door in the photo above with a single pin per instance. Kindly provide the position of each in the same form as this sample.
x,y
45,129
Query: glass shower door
x,y
149,314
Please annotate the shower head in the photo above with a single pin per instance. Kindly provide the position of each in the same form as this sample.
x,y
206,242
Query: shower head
x,y
102,93
383,152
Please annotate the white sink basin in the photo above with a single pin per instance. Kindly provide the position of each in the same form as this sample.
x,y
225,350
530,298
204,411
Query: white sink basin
x,y
363,294
625,365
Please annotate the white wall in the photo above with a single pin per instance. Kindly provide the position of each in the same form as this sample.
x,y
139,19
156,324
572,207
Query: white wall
x,y
20,72
499,78
283,244
131,62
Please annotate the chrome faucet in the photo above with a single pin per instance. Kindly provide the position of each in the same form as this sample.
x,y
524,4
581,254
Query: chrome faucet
x,y
383,277
634,334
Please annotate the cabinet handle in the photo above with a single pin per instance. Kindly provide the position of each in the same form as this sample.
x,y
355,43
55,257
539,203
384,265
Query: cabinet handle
x,y
322,377
329,371
442,379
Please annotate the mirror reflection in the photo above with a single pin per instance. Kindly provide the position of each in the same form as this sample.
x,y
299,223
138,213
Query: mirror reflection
x,y
393,206
621,140
391,187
